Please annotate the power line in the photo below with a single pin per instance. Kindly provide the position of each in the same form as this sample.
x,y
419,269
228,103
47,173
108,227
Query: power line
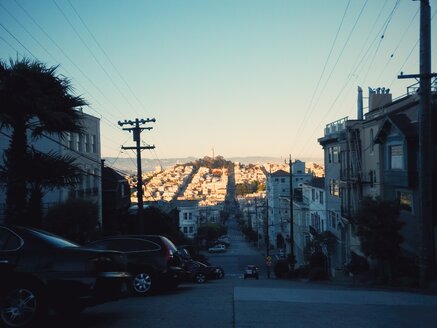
x,y
67,56
93,55
13,36
105,54
308,112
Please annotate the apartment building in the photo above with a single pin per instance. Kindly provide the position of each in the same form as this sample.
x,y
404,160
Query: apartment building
x,y
375,155
85,148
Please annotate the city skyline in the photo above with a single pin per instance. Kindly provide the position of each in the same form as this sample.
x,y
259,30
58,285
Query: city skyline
x,y
245,78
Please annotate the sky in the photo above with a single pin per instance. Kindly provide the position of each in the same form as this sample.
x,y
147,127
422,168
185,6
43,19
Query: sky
x,y
224,77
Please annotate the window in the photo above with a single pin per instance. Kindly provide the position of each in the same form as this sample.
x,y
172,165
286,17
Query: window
x,y
70,140
330,155
313,195
371,141
334,187
307,240
191,229
335,154
405,201
94,143
87,143
185,229
79,142
282,180
333,219
190,216
321,197
396,159
185,216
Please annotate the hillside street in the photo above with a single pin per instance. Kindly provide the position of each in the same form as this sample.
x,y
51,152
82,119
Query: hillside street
x,y
235,302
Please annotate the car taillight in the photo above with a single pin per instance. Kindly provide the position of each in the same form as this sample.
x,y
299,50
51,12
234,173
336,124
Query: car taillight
x,y
169,254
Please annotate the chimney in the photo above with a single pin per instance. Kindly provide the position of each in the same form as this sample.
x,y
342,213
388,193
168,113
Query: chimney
x,y
360,104
379,97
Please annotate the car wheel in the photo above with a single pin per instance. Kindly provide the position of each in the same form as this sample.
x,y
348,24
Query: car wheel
x,y
200,278
22,306
142,283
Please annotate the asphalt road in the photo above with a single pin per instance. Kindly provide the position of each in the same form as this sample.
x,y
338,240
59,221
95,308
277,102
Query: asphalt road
x,y
235,302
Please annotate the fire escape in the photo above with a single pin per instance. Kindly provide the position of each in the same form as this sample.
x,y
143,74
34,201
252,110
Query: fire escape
x,y
352,174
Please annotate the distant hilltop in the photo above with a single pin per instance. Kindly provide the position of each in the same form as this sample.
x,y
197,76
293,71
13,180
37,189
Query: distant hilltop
x,y
128,165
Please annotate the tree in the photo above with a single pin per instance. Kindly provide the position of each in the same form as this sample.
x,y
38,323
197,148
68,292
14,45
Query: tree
x,y
76,219
49,171
34,102
378,228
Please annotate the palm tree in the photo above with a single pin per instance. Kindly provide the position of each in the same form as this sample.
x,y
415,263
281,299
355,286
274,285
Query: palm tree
x,y
34,101
49,171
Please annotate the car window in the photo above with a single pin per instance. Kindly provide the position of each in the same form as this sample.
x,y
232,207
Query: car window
x,y
101,244
125,245
8,240
52,240
132,245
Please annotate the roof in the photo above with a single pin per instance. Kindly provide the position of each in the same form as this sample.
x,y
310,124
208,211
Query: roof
x,y
280,173
111,174
401,121
317,182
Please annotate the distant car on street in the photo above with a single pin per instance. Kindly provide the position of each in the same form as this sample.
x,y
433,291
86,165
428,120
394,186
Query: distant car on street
x,y
200,272
251,271
219,248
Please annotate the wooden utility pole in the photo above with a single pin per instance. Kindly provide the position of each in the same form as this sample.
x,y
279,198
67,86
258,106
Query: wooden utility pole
x,y
424,209
291,217
136,130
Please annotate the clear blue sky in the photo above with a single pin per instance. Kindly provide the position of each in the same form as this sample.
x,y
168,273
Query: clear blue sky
x,y
245,77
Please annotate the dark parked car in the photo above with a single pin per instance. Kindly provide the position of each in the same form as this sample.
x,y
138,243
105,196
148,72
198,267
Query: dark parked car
x,y
251,271
153,260
200,272
40,271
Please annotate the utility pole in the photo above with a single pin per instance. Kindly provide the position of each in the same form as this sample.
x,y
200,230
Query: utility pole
x,y
291,217
136,130
427,261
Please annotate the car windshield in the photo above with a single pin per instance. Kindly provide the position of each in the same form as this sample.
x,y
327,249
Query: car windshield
x,y
53,239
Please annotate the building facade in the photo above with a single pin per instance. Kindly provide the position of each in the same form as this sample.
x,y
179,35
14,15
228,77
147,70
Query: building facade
x,y
85,148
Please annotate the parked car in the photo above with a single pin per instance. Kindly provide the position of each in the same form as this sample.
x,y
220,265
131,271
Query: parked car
x,y
218,248
41,271
251,271
200,272
224,240
152,260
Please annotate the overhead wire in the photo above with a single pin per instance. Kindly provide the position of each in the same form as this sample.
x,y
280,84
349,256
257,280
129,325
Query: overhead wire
x,y
383,28
106,55
94,56
68,57
308,112
332,70
90,106
15,38
386,24
397,46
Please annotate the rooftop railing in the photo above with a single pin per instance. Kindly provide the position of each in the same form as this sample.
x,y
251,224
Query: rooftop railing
x,y
336,126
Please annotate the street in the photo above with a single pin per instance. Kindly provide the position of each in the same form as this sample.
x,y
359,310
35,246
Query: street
x,y
236,302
